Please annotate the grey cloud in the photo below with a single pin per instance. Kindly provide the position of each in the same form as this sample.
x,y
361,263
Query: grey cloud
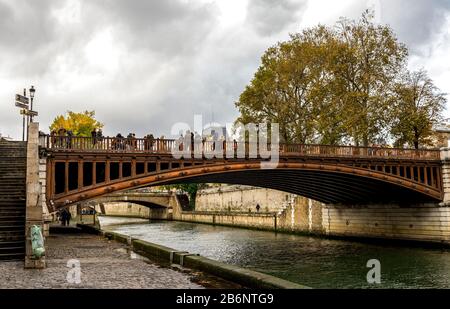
x,y
26,25
415,21
176,61
166,27
269,17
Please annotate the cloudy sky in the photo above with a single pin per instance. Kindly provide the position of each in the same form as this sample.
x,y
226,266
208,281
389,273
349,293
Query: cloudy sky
x,y
145,65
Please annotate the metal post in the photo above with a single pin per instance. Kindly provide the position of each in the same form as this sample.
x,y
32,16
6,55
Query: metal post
x,y
31,117
23,128
28,117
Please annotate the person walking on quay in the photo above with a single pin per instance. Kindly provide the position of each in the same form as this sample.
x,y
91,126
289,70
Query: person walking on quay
x,y
63,216
67,217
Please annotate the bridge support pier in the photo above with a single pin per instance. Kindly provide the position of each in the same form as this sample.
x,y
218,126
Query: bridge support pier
x,y
445,157
34,202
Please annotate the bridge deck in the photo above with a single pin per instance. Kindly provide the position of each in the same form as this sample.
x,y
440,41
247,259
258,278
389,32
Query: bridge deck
x,y
224,149
80,169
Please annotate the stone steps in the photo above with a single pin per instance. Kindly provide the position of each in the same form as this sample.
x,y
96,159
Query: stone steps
x,y
11,218
12,256
12,227
12,244
11,237
12,200
12,250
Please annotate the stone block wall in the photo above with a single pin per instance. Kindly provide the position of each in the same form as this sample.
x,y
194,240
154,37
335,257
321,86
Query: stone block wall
x,y
430,223
241,199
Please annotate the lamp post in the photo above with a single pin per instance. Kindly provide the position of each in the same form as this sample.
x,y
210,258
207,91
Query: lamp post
x,y
28,117
32,93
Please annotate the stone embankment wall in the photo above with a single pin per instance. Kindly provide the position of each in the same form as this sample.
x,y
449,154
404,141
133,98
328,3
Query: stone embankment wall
x,y
430,223
426,223
236,206
421,222
241,199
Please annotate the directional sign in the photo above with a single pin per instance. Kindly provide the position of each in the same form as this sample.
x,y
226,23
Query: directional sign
x,y
32,113
27,112
21,105
22,99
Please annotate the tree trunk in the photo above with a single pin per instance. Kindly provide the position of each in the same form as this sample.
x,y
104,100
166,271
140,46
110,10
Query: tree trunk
x,y
416,139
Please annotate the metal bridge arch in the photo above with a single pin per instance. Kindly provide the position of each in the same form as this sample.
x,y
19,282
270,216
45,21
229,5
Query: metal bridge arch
x,y
82,169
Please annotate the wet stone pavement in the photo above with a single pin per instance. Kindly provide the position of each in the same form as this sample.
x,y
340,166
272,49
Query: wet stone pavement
x,y
104,264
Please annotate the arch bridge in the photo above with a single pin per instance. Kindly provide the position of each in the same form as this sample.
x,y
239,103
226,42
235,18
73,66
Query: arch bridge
x,y
81,169
148,199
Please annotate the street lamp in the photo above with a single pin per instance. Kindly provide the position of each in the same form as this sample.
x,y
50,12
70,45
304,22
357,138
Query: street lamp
x,y
32,93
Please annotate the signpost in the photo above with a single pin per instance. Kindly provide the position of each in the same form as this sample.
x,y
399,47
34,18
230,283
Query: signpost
x,y
32,113
22,102
21,105
22,99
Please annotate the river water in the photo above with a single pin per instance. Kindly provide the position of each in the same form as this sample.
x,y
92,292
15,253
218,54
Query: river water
x,y
314,262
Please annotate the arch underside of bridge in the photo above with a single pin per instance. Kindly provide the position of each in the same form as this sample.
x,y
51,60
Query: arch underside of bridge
x,y
147,204
327,182
325,187
149,200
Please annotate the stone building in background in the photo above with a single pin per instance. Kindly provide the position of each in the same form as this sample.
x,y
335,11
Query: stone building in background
x,y
442,135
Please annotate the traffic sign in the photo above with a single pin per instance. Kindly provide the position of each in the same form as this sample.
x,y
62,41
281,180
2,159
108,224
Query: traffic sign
x,y
22,99
21,105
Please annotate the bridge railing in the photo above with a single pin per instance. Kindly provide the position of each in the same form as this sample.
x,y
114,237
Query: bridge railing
x,y
110,144
223,148
362,152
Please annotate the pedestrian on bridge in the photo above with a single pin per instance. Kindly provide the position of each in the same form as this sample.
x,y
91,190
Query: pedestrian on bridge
x,y
61,136
149,142
94,136
100,137
53,138
69,139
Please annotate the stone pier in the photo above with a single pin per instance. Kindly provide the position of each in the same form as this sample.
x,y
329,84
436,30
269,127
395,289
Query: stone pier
x,y
34,211
445,157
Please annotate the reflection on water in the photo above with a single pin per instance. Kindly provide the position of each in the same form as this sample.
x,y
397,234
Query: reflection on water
x,y
314,262
104,221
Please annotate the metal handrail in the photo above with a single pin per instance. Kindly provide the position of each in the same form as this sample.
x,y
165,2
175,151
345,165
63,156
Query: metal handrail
x,y
168,146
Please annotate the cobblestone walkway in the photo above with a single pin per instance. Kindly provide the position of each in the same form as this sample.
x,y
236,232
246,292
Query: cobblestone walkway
x,y
104,264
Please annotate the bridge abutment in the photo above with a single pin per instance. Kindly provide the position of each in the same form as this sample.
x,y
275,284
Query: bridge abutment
x,y
445,158
422,222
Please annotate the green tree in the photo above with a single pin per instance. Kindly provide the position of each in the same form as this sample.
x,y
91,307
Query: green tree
x,y
418,107
81,124
328,84
365,66
190,189
282,88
